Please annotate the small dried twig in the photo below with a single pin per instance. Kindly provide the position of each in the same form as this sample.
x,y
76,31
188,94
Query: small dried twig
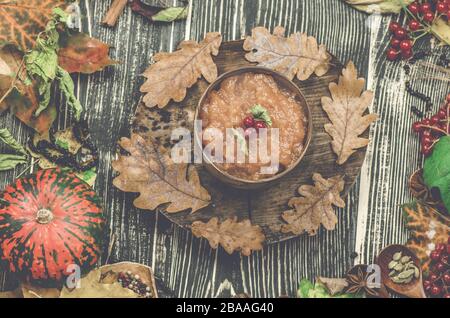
x,y
114,12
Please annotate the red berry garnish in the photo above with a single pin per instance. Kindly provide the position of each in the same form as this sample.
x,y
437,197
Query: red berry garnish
x,y
249,121
435,290
394,26
417,127
428,17
425,7
260,125
414,8
400,34
392,54
434,120
446,278
414,25
395,43
440,267
433,277
407,54
426,150
442,113
406,45
435,255
440,247
441,7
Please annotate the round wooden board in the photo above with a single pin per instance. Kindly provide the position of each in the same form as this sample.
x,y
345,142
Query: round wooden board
x,y
262,207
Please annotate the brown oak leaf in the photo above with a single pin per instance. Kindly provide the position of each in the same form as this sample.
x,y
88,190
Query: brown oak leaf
x,y
79,53
346,109
20,98
150,171
231,235
427,229
22,20
173,73
315,207
298,54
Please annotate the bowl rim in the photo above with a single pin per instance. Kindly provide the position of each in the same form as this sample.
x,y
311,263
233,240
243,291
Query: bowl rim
x,y
277,76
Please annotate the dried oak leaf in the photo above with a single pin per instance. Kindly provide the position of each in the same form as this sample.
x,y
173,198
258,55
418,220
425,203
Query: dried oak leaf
x,y
79,53
231,235
315,207
22,20
20,98
427,228
298,54
150,171
173,73
346,109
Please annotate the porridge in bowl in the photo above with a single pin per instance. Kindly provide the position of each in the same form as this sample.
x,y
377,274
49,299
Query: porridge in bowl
x,y
254,106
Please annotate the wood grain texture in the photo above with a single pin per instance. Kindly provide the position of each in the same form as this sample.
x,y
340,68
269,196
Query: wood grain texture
x,y
188,266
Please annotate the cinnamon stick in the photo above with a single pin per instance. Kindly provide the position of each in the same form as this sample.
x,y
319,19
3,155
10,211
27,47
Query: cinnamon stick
x,y
114,12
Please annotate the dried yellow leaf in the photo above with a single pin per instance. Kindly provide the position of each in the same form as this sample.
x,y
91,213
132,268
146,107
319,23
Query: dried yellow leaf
x,y
298,54
231,235
315,207
150,171
173,73
345,109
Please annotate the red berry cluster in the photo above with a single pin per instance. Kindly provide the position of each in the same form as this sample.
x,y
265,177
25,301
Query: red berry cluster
x,y
421,16
437,283
251,125
432,129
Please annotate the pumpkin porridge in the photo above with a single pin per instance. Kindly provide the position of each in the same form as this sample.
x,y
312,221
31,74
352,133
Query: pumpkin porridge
x,y
248,103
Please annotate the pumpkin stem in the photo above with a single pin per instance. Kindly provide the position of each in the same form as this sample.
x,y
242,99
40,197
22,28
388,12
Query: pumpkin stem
x,y
44,216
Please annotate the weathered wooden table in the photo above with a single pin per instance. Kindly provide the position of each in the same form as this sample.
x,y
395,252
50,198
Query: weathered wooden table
x,y
187,266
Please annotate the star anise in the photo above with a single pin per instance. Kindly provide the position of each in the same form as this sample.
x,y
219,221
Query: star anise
x,y
357,283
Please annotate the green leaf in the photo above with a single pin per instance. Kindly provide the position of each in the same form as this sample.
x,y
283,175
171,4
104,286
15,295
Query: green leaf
x,y
171,14
379,6
436,170
8,162
260,113
7,138
42,66
67,88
